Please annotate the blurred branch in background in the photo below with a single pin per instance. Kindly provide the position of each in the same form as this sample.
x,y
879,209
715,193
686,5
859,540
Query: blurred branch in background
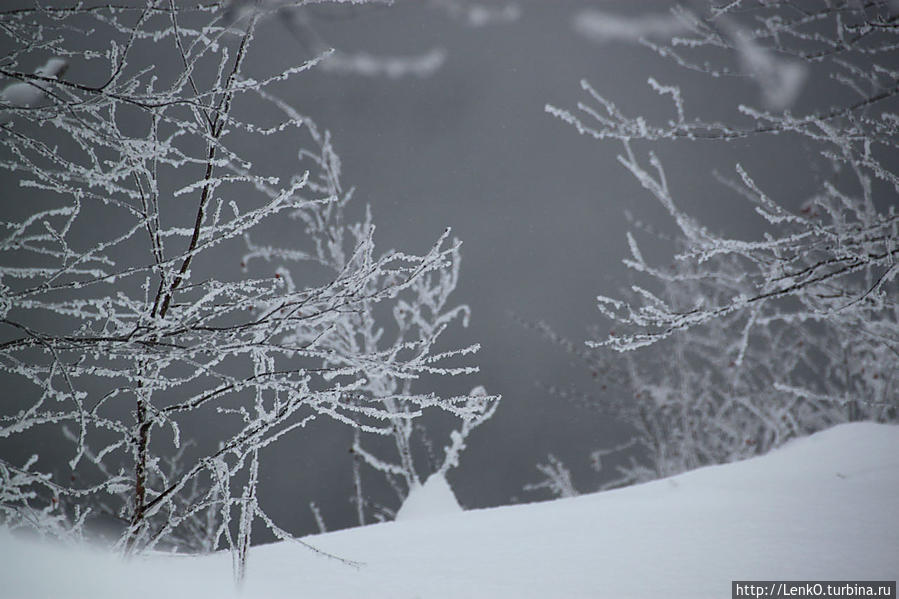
x,y
739,345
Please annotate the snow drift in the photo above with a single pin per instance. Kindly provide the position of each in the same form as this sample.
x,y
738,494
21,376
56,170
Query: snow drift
x,y
823,507
435,497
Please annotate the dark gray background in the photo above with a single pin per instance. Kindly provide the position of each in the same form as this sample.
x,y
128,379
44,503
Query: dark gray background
x,y
540,211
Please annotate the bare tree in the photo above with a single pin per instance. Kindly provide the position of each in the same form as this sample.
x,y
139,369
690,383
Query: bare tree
x,y
125,322
400,341
403,472
761,340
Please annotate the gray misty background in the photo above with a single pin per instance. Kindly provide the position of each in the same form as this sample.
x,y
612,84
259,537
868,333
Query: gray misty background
x,y
540,211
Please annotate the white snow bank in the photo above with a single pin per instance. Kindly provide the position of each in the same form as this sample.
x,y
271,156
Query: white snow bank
x,y
821,508
434,498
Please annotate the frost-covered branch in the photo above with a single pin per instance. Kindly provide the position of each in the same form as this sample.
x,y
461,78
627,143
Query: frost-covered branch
x,y
745,343
124,316
557,479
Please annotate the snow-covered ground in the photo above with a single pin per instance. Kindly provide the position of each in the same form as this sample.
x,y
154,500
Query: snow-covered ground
x,y
824,507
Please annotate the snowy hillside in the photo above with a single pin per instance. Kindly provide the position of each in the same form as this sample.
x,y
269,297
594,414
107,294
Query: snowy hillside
x,y
824,507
